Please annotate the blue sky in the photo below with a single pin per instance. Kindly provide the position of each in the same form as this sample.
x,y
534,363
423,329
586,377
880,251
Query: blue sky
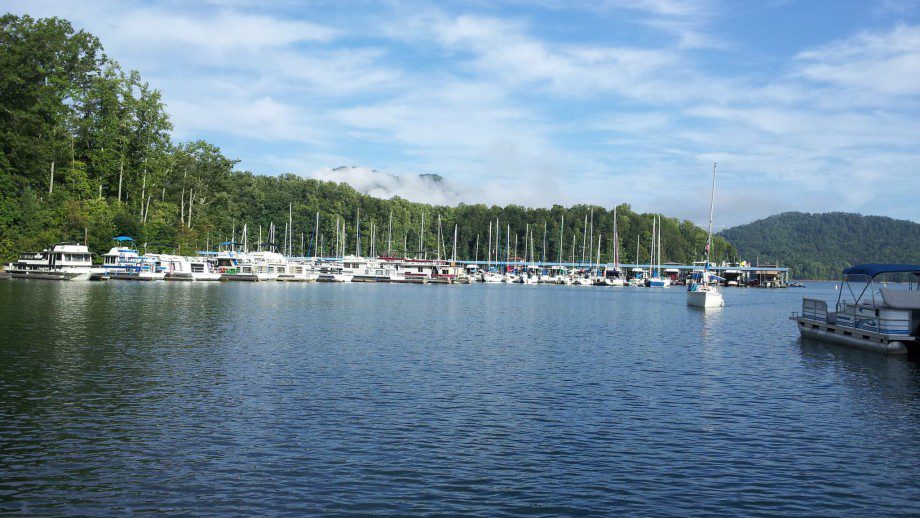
x,y
809,106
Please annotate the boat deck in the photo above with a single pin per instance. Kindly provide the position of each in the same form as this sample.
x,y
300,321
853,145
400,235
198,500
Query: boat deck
x,y
824,331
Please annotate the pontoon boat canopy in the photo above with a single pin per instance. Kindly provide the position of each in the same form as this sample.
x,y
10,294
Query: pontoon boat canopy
x,y
871,270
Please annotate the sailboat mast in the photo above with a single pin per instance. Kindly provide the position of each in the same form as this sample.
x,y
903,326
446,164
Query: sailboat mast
x,y
651,251
527,241
316,236
658,246
637,249
616,242
489,253
543,255
358,234
591,236
712,204
508,243
561,230
498,240
597,264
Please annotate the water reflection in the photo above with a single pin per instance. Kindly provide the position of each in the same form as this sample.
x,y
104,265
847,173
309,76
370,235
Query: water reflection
x,y
439,399
863,369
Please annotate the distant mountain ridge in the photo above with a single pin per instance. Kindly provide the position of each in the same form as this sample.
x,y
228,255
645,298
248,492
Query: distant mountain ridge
x,y
819,246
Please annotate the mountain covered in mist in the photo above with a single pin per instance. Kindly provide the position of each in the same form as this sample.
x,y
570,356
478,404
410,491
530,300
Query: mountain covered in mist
x,y
423,187
821,245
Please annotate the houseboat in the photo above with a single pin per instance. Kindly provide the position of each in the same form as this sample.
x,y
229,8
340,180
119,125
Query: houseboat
x,y
332,271
256,266
61,262
364,269
125,263
869,313
199,268
300,271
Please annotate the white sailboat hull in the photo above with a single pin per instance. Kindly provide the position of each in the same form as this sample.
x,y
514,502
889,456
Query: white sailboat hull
x,y
705,299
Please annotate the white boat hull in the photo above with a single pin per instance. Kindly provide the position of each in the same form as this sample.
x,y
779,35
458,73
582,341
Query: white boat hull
x,y
334,277
297,277
72,274
705,299
658,282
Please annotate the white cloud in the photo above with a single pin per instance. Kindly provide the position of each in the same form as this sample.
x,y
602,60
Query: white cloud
x,y
514,108
417,187
882,62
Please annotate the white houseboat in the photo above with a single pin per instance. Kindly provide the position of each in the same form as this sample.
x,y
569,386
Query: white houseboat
x,y
256,266
869,313
125,263
301,270
199,268
63,261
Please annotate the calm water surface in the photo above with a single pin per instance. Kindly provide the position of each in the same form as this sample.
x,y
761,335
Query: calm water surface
x,y
487,399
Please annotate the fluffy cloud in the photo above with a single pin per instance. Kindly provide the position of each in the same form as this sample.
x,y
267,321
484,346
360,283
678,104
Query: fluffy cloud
x,y
559,102
886,62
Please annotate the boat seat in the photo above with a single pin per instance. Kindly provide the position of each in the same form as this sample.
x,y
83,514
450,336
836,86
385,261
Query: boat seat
x,y
901,299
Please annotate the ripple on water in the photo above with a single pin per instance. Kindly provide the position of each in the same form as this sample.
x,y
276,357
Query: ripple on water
x,y
479,400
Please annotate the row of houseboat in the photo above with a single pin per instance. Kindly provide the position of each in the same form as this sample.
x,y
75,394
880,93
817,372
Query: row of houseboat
x,y
73,261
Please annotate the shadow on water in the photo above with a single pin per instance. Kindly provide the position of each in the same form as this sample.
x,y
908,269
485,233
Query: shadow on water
x,y
869,367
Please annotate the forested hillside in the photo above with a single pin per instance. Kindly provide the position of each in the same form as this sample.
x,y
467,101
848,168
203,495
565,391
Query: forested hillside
x,y
86,147
821,245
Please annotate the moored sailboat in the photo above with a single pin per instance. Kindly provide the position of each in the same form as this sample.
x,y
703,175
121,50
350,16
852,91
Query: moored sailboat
x,y
704,294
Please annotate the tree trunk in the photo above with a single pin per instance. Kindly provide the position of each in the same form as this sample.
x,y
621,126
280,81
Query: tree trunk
x,y
51,185
191,200
143,191
121,173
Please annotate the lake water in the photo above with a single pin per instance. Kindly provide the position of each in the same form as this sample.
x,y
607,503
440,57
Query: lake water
x,y
405,399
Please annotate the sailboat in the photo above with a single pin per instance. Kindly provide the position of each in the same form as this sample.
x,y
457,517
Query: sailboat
x,y
703,294
614,277
656,280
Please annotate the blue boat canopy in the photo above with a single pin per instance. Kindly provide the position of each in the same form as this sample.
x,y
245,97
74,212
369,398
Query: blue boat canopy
x,y
123,238
698,275
871,270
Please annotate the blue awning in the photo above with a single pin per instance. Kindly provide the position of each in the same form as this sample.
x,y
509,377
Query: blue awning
x,y
123,238
699,275
871,270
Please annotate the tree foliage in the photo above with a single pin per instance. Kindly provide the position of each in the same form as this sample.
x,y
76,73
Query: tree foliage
x,y
820,246
85,148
